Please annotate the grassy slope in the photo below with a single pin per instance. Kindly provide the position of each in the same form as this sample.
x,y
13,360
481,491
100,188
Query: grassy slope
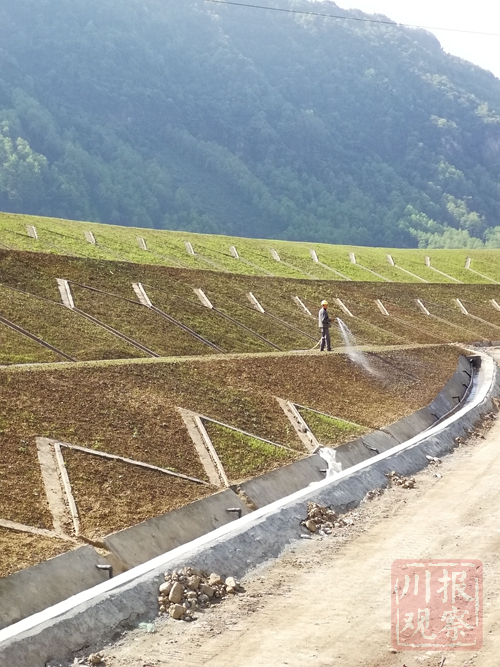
x,y
243,456
329,430
167,248
131,409
284,325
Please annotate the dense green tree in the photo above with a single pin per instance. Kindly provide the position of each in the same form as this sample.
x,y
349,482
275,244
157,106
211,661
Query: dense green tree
x,y
183,114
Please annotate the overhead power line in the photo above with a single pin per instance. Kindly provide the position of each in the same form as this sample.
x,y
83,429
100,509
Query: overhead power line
x,y
359,19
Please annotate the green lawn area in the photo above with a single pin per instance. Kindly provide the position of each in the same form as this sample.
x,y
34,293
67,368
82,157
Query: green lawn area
x,y
167,248
243,456
331,431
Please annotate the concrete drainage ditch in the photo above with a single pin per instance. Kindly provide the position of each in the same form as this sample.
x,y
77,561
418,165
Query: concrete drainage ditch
x,y
93,615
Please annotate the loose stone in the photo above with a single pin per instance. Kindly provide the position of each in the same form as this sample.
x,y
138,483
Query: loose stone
x,y
176,593
207,590
177,611
166,587
310,525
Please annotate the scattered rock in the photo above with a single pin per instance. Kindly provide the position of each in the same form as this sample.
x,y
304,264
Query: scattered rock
x,y
398,480
205,589
95,659
176,593
310,525
322,520
189,589
166,587
177,611
374,493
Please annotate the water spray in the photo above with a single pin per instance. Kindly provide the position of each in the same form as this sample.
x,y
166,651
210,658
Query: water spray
x,y
352,349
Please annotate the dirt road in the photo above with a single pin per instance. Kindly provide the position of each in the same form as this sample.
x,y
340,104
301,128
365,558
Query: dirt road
x,y
327,602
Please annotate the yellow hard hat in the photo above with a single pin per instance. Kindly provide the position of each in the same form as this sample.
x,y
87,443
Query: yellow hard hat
x,y
324,303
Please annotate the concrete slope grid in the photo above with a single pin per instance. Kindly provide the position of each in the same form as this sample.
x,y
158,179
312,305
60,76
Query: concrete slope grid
x,y
94,615
144,541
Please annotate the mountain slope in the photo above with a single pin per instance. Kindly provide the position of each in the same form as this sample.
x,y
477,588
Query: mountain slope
x,y
221,119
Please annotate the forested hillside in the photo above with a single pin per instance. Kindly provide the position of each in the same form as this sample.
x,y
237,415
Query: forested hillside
x,y
184,114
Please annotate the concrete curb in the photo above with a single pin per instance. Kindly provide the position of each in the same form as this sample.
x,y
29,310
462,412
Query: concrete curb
x,y
401,431
163,533
35,588
93,616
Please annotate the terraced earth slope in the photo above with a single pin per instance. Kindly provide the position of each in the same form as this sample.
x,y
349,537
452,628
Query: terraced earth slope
x,y
145,335
109,321
130,409
165,248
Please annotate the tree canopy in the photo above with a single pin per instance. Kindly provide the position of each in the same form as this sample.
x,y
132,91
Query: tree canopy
x,y
183,114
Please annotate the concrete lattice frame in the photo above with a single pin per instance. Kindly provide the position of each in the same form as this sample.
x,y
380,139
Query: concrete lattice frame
x,y
205,448
62,504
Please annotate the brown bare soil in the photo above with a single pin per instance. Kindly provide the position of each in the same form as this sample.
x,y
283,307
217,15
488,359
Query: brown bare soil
x,y
137,322
21,550
57,325
179,301
129,409
232,299
22,493
111,495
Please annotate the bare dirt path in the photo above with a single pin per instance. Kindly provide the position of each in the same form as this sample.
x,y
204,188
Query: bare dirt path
x,y
57,365
327,602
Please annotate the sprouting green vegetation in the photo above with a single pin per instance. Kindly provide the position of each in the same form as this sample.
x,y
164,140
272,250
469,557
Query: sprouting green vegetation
x,y
243,456
166,248
331,431
30,298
